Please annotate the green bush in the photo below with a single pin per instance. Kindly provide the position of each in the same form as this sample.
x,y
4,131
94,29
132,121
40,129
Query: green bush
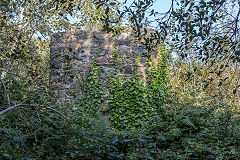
x,y
195,132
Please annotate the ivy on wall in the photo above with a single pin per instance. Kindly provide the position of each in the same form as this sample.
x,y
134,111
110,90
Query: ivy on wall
x,y
157,79
133,104
128,103
91,91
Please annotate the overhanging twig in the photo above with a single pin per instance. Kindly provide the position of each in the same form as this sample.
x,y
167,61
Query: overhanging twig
x,y
32,105
4,70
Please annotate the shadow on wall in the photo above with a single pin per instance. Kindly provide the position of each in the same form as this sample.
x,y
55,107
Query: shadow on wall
x,y
73,54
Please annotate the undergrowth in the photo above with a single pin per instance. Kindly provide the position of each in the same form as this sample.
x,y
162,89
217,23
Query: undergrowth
x,y
146,122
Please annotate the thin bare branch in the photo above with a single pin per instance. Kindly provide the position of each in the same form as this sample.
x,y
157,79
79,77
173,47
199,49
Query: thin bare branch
x,y
32,105
21,18
10,108
4,70
5,89
34,80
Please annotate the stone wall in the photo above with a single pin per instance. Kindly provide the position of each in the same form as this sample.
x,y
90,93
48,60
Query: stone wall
x,y
73,53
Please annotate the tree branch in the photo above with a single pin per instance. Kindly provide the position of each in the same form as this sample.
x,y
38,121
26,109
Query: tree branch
x,y
21,18
5,89
34,81
32,105
4,70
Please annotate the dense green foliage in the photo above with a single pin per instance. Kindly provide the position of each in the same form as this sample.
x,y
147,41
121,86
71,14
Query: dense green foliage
x,y
90,94
129,104
180,109
132,102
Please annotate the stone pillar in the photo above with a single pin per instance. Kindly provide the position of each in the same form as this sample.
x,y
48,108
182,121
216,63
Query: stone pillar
x,y
72,55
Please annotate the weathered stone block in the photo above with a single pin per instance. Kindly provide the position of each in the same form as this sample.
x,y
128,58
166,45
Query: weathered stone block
x,y
73,53
128,69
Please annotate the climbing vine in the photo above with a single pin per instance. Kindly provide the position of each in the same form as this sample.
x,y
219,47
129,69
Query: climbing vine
x,y
133,103
157,79
91,91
